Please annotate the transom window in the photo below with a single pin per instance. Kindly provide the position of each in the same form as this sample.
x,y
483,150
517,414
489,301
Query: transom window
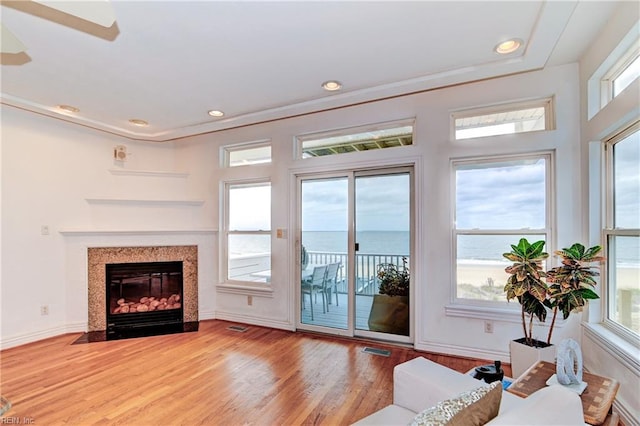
x,y
356,140
497,202
615,73
503,120
246,154
622,233
627,75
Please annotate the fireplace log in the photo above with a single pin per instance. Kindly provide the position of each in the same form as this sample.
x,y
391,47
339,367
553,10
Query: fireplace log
x,y
147,304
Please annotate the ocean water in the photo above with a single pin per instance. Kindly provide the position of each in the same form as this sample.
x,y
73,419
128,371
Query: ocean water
x,y
470,248
371,242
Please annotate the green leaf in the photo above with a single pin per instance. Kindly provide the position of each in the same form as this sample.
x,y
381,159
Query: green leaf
x,y
523,246
512,257
536,248
538,290
533,306
587,293
577,250
591,254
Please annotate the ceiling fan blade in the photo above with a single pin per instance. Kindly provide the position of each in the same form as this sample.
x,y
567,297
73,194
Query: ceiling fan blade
x,y
99,12
10,43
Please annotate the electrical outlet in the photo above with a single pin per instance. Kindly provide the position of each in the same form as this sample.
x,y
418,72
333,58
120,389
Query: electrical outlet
x,y
44,310
488,327
250,300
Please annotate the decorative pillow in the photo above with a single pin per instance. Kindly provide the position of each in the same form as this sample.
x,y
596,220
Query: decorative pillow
x,y
475,407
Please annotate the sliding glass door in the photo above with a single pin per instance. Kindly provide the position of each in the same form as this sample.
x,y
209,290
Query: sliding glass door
x,y
353,225
324,252
383,246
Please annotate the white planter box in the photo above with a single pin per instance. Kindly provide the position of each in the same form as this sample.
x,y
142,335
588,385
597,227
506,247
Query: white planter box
x,y
523,356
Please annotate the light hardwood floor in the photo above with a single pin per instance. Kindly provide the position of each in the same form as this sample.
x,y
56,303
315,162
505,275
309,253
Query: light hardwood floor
x,y
211,377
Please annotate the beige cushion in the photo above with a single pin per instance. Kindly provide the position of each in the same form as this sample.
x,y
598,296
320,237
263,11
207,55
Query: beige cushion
x,y
471,408
552,405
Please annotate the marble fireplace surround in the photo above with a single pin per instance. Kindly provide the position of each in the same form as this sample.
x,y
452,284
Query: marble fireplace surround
x,y
98,257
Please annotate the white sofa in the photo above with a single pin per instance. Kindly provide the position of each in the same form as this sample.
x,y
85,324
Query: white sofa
x,y
419,384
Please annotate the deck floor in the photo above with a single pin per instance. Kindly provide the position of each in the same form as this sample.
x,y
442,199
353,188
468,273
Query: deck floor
x,y
336,317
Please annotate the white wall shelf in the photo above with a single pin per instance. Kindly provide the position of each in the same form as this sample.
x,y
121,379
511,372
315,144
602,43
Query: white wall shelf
x,y
101,232
149,173
138,201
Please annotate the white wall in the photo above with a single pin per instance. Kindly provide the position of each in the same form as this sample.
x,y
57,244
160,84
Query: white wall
x,y
431,152
49,170
604,352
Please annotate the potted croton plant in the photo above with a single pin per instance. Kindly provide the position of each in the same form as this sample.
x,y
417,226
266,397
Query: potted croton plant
x,y
525,283
571,283
570,288
390,308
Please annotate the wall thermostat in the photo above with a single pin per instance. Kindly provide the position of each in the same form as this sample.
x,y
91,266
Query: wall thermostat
x,y
120,153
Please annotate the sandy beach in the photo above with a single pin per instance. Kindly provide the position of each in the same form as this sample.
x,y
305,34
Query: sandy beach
x,y
492,273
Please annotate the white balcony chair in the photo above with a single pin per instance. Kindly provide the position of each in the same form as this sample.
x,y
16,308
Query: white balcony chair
x,y
314,285
331,282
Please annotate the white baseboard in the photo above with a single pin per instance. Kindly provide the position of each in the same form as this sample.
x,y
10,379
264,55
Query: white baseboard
x,y
206,315
627,417
244,319
34,336
463,351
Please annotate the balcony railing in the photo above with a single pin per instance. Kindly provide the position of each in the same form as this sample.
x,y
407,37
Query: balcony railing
x,y
366,268
256,268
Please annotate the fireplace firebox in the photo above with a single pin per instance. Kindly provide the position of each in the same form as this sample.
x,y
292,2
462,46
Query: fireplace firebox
x,y
144,298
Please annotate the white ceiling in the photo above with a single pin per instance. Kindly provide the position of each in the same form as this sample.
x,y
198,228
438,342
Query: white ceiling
x,y
169,62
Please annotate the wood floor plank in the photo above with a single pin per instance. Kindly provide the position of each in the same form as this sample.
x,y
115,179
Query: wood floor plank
x,y
211,377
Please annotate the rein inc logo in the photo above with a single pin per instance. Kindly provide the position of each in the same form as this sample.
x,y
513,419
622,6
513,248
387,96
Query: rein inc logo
x,y
14,420
5,405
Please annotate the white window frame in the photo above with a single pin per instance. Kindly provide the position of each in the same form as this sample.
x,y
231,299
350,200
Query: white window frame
x,y
498,310
546,103
610,230
599,85
226,150
226,232
607,83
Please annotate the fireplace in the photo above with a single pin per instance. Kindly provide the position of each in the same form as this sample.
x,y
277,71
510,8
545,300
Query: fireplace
x,y
140,278
143,297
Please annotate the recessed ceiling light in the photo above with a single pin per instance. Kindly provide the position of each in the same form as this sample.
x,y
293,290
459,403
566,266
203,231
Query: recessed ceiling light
x,y
508,46
138,122
215,113
68,108
332,85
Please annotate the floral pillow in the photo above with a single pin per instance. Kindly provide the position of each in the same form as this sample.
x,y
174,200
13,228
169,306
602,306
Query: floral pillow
x,y
475,407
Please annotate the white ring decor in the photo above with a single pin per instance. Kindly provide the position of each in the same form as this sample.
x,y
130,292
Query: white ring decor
x,y
569,356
